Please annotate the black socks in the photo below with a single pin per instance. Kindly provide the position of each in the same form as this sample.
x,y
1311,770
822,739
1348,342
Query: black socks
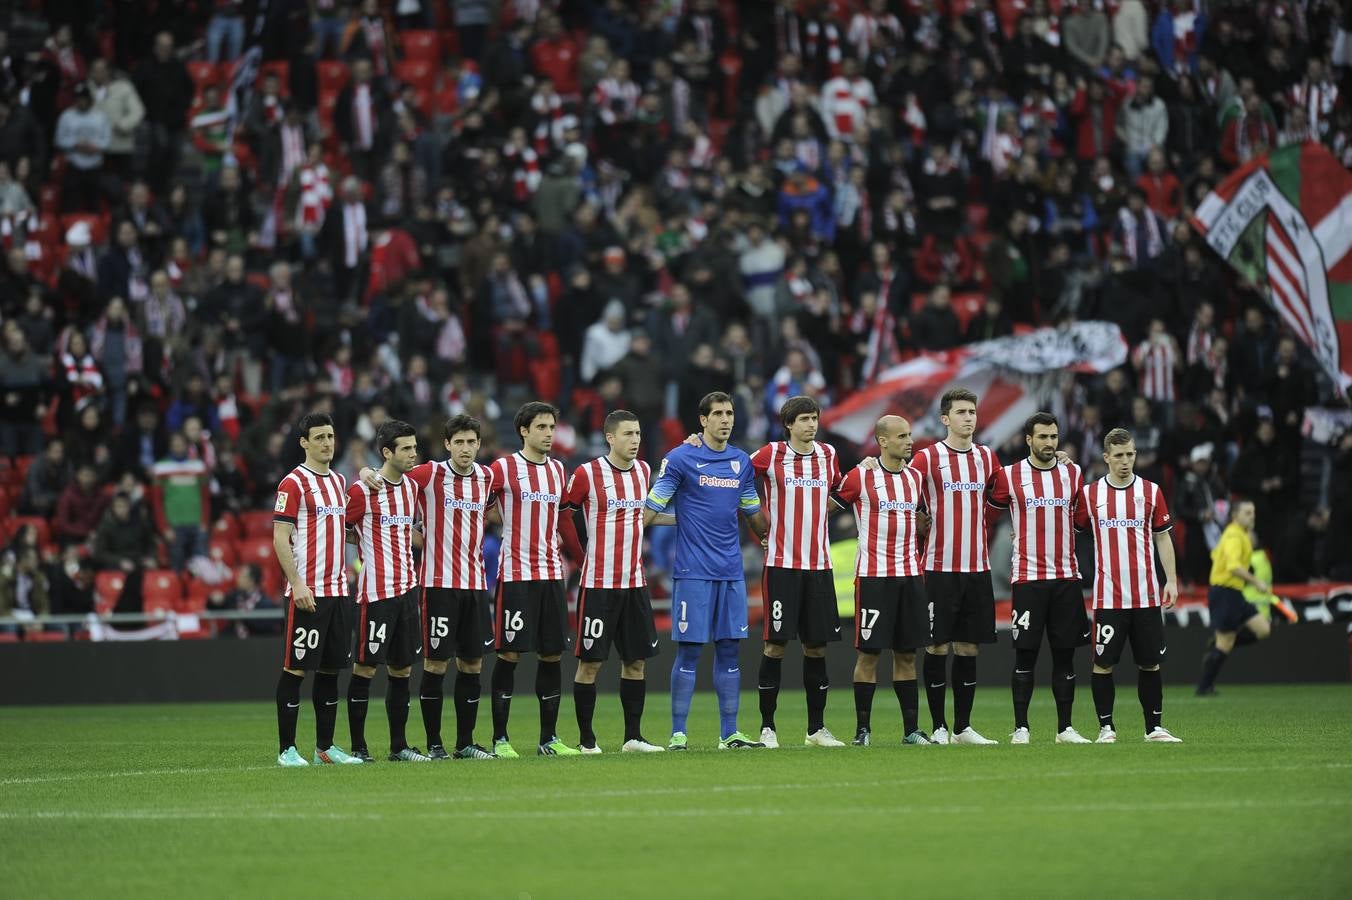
x,y
396,710
548,686
503,680
908,695
936,687
1063,685
1211,667
771,670
467,687
1150,691
1021,685
632,694
964,691
358,693
863,704
326,708
1103,688
288,709
431,696
584,702
815,683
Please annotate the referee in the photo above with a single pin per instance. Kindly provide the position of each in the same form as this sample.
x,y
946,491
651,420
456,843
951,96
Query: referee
x,y
1235,619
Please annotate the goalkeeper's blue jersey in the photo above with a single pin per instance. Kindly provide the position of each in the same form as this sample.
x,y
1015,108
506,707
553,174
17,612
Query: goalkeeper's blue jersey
x,y
706,489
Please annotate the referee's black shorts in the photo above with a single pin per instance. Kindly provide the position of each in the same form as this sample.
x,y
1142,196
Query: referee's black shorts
x,y
1229,609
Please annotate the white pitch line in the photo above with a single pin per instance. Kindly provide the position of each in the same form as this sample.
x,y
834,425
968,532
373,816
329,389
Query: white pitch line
x,y
690,813
140,773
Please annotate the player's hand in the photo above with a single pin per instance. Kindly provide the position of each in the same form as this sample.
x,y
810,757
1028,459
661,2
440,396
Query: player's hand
x,y
1170,595
694,440
371,478
1263,587
868,463
1062,457
303,597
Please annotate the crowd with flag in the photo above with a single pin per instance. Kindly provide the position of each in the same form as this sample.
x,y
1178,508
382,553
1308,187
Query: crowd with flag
x,y
215,215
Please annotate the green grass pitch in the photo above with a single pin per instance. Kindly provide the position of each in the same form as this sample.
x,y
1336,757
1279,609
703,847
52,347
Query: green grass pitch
x,y
149,801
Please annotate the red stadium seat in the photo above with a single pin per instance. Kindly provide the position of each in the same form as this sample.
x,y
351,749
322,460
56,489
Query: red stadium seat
x,y
450,42
195,595
256,524
420,73
226,546
46,637
98,226
161,592
18,523
332,75
226,526
279,67
7,500
107,588
424,45
259,552
204,73
8,638
328,102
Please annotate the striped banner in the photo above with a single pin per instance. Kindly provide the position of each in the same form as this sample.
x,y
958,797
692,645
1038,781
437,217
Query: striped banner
x,y
1284,221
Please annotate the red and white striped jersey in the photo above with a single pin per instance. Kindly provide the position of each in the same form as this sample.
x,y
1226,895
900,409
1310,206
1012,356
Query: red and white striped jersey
x,y
796,490
316,505
530,494
1124,521
885,505
1041,503
956,483
383,519
452,507
612,499
1157,361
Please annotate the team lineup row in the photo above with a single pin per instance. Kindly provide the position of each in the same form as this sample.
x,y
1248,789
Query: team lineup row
x,y
922,576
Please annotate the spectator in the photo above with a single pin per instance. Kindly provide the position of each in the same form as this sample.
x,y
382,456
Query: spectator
x,y
1195,507
25,591
79,508
22,143
288,340
16,207
123,539
166,89
182,502
1140,232
225,31
83,133
115,345
363,120
116,97
24,381
1264,473
936,326
142,443
47,478
1142,125
345,236
606,343
1087,34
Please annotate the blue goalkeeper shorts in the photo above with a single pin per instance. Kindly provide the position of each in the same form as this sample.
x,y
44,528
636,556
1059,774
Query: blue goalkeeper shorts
x,y
703,610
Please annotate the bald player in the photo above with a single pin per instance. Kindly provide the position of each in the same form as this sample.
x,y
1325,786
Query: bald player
x,y
890,611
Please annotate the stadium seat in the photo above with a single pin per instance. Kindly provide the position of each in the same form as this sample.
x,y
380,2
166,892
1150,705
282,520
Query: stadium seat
x,y
450,43
332,76
8,638
98,226
18,523
204,73
256,523
259,552
226,546
418,72
279,67
108,586
46,637
195,593
226,526
7,500
161,592
423,45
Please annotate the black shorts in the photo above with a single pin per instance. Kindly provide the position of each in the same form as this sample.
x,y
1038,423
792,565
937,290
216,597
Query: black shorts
x,y
800,603
531,617
1229,609
318,639
961,607
454,623
890,614
1056,607
387,631
623,616
1143,627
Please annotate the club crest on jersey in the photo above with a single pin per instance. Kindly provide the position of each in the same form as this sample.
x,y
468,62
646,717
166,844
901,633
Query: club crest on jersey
x,y
587,643
866,633
681,626
511,636
435,642
736,466
373,646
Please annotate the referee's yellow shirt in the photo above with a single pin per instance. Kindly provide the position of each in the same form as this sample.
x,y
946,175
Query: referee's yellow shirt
x,y
1232,551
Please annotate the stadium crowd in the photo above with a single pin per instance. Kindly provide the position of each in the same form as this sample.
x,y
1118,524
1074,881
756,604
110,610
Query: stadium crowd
x,y
425,207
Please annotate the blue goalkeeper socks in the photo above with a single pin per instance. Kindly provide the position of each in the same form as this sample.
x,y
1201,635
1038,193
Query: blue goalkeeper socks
x,y
727,684
683,684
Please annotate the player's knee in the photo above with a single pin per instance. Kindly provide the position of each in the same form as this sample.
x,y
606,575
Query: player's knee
x,y
961,648
553,658
814,650
937,650
774,650
299,673
1154,668
435,666
509,656
1225,641
903,666
1260,627
403,672
468,666
1025,660
633,670
364,671
586,672
1102,670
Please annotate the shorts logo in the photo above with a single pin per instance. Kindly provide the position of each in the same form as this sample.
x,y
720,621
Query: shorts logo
x,y
866,633
435,642
777,623
1015,633
681,626
299,651
1098,649
373,646
587,643
736,466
